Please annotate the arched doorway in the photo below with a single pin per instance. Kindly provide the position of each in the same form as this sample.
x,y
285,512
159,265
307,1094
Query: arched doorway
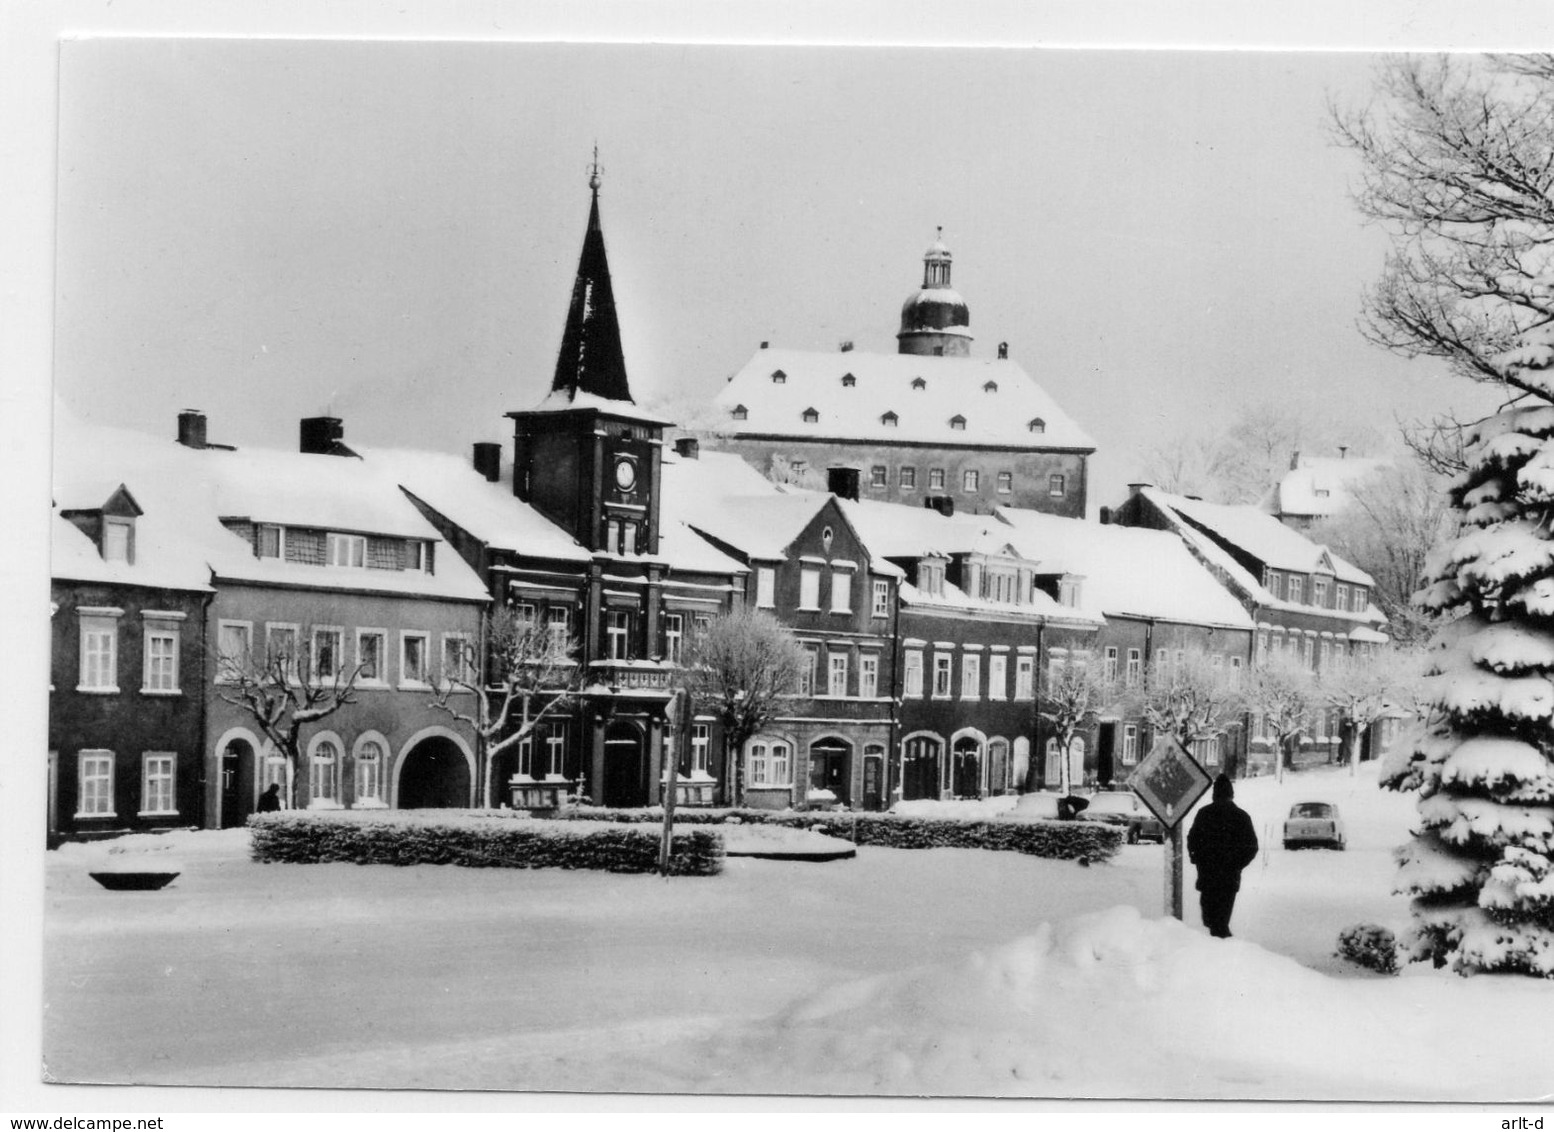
x,y
434,775
237,782
830,767
625,766
966,768
998,766
920,767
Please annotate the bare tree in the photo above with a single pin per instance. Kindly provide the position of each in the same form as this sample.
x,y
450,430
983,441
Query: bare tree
x,y
1438,443
1189,699
1282,693
1394,518
741,669
283,690
504,682
1074,693
1364,687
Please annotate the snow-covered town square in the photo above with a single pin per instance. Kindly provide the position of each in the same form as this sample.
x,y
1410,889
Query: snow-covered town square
x,y
667,571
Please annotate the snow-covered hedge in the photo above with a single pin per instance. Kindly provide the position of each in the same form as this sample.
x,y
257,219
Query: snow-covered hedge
x,y
476,839
1087,842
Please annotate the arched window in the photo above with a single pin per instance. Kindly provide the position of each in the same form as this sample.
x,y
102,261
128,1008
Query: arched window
x,y
369,773
324,775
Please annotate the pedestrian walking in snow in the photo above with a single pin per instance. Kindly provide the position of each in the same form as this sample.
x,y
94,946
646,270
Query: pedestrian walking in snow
x,y
1221,843
270,800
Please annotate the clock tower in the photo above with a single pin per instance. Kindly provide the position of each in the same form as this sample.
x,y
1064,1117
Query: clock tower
x,y
586,456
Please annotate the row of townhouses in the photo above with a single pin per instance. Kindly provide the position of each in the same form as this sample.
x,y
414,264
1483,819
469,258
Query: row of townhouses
x,y
935,571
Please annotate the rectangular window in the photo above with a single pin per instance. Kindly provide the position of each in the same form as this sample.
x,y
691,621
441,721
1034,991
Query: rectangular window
x,y
346,550
836,668
674,636
156,783
281,649
909,478
868,675
526,756
159,673
95,795
612,536
525,613
328,653
1310,649
1111,663
770,764
556,748
809,671
998,677
1135,667
558,623
841,591
701,747
371,648
272,541
1295,587
971,480
416,557
809,588
971,676
1319,592
1005,483
1235,673
118,540
458,658
1057,486
629,539
234,646
941,675
935,479
1360,602
1130,744
881,606
1024,677
617,630
912,673
99,652
1262,647
879,476
765,587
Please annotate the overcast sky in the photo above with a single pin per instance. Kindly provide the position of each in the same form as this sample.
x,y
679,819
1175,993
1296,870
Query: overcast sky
x,y
267,230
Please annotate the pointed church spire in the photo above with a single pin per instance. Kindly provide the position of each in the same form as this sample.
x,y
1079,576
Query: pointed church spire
x,y
591,358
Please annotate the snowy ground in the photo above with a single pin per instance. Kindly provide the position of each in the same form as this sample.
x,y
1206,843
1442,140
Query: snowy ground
x,y
929,972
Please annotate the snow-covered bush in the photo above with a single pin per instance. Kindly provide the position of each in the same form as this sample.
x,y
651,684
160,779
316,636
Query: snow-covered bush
x,y
475,839
1085,842
1371,946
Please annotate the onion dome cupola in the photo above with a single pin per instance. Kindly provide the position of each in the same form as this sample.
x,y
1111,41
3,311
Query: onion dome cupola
x,y
934,319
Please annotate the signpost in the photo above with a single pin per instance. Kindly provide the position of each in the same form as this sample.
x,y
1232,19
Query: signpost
x,y
1170,782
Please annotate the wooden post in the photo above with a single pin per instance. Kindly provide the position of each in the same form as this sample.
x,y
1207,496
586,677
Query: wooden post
x,y
1173,871
672,756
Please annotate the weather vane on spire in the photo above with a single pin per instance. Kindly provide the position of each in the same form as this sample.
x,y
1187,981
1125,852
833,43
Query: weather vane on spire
x,y
594,170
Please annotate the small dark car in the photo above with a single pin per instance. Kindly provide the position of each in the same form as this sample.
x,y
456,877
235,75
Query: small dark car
x,y
1124,808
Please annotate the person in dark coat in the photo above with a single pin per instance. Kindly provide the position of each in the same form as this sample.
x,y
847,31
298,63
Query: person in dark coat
x,y
270,800
1221,843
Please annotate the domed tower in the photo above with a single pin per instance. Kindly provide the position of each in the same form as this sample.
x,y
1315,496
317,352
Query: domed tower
x,y
934,319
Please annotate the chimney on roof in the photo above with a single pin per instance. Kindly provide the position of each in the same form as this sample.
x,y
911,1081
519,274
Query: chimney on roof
x,y
320,434
488,459
1106,516
1343,451
764,345
1135,488
687,448
843,482
1294,460
191,428
1003,350
940,503
847,345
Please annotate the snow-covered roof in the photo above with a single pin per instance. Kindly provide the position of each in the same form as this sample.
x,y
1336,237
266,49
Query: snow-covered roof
x,y
564,401
184,494
1127,571
997,399
759,524
1318,485
1260,535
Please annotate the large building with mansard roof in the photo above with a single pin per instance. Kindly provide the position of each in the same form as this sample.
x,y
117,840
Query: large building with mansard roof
x,y
930,424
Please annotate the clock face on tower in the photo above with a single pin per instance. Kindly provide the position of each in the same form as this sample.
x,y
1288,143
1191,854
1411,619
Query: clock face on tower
x,y
625,474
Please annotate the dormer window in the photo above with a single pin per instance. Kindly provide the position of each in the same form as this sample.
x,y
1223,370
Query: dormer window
x,y
890,420
958,423
848,381
119,540
990,387
919,383
739,413
811,416
271,542
346,550
1037,425
779,378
